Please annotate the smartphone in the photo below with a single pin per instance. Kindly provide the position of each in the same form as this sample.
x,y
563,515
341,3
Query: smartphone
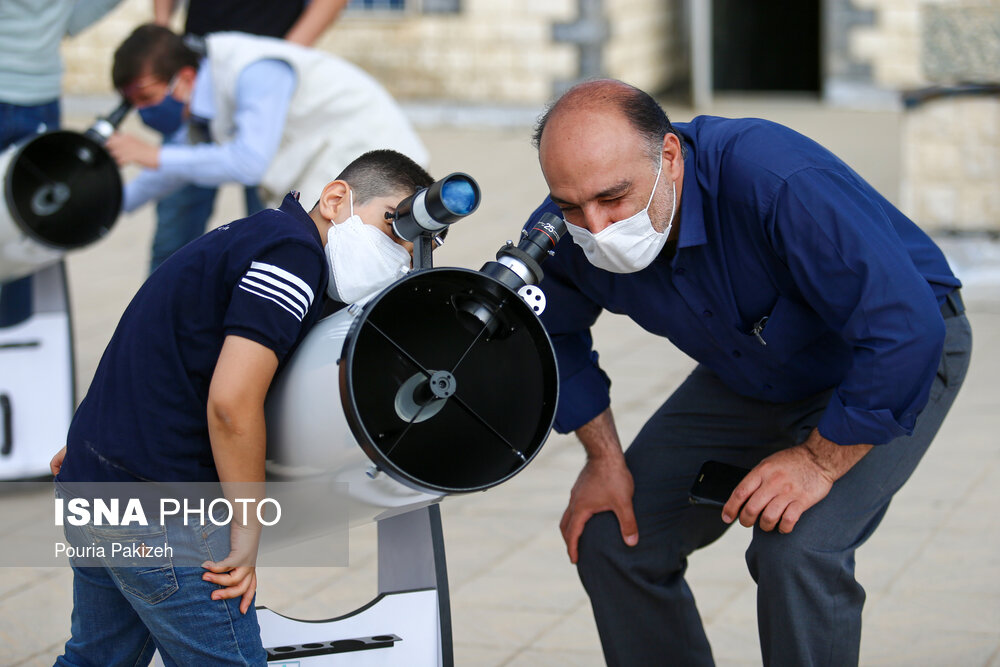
x,y
715,483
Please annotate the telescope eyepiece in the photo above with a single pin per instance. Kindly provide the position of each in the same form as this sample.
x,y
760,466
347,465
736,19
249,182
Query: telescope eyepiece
x,y
430,210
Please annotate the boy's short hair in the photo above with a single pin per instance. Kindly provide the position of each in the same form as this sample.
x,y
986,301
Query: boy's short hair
x,y
152,48
384,172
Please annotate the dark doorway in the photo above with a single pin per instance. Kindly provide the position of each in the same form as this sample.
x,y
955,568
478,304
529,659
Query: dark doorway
x,y
765,45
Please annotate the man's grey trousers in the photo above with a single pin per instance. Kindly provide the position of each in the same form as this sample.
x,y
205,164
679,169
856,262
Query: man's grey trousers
x,y
808,601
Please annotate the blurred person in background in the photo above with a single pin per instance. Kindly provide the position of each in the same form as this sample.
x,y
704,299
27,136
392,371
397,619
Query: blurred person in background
x,y
183,215
251,110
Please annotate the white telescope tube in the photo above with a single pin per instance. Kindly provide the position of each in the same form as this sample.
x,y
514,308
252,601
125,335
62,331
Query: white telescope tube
x,y
411,399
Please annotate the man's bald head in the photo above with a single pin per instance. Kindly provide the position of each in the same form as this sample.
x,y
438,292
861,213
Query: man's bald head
x,y
610,96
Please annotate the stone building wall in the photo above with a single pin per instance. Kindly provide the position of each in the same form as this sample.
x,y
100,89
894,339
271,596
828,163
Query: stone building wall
x,y
489,52
643,45
914,43
951,164
951,143
507,52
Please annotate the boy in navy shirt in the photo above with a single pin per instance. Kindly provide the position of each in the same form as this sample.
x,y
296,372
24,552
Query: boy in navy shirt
x,y
179,397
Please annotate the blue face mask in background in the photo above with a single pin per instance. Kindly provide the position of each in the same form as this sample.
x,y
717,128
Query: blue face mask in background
x,y
167,116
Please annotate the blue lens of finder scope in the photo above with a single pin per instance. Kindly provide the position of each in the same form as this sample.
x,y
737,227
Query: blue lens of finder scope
x,y
460,195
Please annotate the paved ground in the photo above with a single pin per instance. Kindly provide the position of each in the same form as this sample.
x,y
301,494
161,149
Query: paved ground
x,y
932,571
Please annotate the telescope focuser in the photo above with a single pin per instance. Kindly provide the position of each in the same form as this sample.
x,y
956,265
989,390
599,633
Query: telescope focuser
x,y
516,267
105,126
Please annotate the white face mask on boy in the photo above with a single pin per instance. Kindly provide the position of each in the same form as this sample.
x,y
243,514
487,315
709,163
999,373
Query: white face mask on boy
x,y
362,259
628,245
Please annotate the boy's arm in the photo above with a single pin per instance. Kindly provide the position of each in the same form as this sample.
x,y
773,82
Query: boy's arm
x,y
237,432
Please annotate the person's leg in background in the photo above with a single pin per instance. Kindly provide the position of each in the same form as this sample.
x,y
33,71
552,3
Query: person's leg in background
x,y
644,610
181,217
251,195
808,601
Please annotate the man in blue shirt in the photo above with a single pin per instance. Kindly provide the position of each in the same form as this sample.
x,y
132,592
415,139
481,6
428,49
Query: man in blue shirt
x,y
179,397
830,340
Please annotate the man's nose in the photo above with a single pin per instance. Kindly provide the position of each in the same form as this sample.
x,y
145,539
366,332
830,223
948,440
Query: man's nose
x,y
595,218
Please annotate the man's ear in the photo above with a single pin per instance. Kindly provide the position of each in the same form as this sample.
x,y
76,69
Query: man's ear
x,y
334,204
185,83
673,156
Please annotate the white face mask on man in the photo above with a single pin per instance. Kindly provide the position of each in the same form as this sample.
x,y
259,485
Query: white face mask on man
x,y
362,259
628,245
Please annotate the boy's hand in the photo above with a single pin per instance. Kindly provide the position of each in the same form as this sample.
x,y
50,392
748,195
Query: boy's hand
x,y
56,463
239,581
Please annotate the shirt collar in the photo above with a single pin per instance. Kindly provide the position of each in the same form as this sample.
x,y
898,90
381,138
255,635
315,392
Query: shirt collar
x,y
691,216
291,206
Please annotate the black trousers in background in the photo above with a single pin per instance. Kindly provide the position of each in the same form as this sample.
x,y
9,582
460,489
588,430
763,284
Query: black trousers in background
x,y
808,601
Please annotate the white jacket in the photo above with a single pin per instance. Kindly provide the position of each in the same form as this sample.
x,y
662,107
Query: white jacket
x,y
337,112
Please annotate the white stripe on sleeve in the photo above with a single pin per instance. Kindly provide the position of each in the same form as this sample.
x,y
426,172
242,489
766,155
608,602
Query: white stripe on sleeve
x,y
242,286
280,294
279,272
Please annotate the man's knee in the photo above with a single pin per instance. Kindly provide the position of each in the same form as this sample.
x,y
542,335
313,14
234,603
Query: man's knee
x,y
774,558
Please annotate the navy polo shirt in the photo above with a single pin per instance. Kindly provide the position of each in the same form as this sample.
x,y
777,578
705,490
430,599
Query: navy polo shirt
x,y
779,237
145,414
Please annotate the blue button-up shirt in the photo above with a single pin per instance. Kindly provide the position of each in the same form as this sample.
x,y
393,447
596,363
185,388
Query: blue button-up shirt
x,y
781,243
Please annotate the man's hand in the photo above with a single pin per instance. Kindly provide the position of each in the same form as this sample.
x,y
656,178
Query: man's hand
x,y
126,149
784,485
604,484
56,463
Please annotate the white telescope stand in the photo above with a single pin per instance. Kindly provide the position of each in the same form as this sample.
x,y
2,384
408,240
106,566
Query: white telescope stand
x,y
408,623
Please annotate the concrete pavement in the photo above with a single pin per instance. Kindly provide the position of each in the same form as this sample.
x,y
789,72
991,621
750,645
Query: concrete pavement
x,y
932,570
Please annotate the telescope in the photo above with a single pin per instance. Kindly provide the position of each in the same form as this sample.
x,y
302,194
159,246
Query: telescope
x,y
61,191
423,217
445,383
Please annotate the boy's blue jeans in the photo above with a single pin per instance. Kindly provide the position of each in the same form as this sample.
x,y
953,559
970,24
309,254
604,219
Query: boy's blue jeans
x,y
122,614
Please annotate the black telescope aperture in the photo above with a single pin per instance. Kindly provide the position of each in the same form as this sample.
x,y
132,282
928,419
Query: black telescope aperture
x,y
63,189
492,400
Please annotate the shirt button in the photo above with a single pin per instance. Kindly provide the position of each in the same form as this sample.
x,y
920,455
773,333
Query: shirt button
x,y
679,271
707,313
737,354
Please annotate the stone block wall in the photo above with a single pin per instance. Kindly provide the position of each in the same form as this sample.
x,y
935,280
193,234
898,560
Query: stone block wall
x,y
951,164
489,52
914,43
642,48
951,145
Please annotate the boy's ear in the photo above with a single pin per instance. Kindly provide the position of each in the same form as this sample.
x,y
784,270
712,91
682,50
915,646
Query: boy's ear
x,y
334,203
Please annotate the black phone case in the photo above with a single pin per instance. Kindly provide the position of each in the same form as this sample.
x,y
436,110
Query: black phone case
x,y
715,483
